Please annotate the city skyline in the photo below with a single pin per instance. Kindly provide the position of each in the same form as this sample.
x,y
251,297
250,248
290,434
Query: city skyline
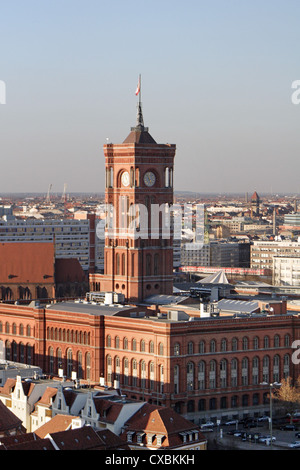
x,y
216,81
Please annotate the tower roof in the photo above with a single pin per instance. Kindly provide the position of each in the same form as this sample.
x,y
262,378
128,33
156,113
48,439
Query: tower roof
x,y
255,196
139,137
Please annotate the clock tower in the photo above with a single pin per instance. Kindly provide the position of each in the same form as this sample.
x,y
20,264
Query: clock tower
x,y
138,252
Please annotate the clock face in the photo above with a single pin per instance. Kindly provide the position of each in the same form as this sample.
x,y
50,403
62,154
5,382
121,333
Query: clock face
x,y
125,178
149,178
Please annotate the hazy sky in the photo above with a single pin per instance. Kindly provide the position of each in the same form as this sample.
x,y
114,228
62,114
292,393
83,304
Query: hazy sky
x,y
216,81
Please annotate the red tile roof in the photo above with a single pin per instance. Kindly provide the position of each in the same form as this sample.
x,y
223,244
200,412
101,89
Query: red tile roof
x,y
26,263
86,438
48,395
39,444
56,424
68,270
107,410
8,420
163,422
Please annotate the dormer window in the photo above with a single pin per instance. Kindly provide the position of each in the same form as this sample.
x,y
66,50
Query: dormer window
x,y
150,439
129,436
139,437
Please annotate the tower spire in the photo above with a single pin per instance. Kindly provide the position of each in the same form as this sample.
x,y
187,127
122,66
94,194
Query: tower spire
x,y
139,118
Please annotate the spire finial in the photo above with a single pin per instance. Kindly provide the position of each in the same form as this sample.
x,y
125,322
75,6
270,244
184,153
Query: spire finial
x,y
139,119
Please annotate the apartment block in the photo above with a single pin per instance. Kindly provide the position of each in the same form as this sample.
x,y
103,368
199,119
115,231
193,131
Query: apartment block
x,y
73,238
263,252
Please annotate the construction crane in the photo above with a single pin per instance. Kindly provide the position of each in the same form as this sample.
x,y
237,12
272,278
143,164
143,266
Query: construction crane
x,y
48,194
63,197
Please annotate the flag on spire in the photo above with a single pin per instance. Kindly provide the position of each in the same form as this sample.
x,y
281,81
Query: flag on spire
x,y
138,88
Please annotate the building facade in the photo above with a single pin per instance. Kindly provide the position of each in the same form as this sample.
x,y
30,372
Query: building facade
x,y
286,270
207,367
263,252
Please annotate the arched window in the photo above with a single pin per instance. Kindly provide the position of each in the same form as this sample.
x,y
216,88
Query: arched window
x,y
190,347
234,372
234,401
266,342
276,364
161,379
69,362
245,343
245,371
255,342
125,343
51,360
266,369
142,346
109,369
167,177
202,347
126,371
190,406
123,264
255,371
287,341
134,372
134,344
223,345
151,347
212,374
152,375
176,349
286,366
117,264
108,341
14,348
212,346
148,265
190,376
276,341
22,353
176,379
161,349
143,374
223,373
59,358
201,375
234,344
156,265
79,365
117,368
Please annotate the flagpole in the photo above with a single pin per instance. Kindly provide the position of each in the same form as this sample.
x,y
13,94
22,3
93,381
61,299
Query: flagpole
x,y
140,93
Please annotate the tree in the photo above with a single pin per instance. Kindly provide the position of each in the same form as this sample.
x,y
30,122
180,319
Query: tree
x,y
287,397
